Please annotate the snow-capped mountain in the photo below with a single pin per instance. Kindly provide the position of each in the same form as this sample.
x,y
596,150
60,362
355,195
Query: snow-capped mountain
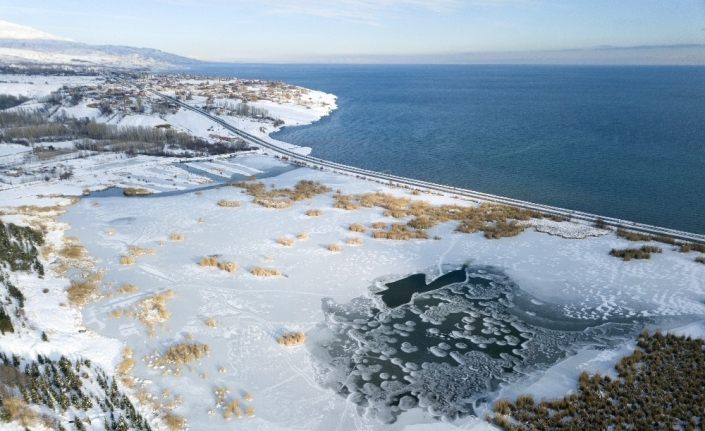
x,y
21,44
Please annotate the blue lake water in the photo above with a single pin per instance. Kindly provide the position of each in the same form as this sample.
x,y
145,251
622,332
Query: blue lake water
x,y
627,142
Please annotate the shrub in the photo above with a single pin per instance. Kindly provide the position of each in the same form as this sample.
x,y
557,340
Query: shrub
x,y
379,225
344,202
357,227
259,271
127,260
334,248
175,236
292,339
228,204
232,409
211,322
313,213
303,236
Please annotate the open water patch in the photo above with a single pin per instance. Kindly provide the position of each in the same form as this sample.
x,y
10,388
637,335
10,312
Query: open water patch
x,y
447,344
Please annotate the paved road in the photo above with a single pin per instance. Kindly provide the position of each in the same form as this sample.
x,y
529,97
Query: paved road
x,y
394,180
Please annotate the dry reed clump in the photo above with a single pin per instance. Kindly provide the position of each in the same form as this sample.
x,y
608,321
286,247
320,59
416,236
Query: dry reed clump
x,y
232,409
286,242
135,191
182,354
313,213
228,266
209,261
379,225
643,252
248,397
127,364
228,204
250,411
259,271
292,339
357,227
632,236
81,292
700,259
127,260
503,229
152,311
354,241
137,251
282,198
303,236
73,251
176,236
345,202
174,422
400,232
17,410
127,288
211,322
687,247
334,248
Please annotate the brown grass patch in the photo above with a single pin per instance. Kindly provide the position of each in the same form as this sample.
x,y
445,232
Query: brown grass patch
x,y
232,409
19,411
345,202
354,241
292,339
281,198
174,422
313,213
357,227
643,252
259,271
228,266
127,364
228,204
400,232
379,225
127,288
73,251
135,191
334,248
183,353
81,292
209,261
127,260
137,251
286,242
176,236
152,311
687,247
503,229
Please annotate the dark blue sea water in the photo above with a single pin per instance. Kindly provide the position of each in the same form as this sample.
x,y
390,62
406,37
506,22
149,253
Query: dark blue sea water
x,y
626,142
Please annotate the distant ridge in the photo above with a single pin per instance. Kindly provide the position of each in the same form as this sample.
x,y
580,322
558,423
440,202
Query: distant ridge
x,y
24,45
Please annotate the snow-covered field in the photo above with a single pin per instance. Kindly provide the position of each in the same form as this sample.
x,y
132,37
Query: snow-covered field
x,y
555,285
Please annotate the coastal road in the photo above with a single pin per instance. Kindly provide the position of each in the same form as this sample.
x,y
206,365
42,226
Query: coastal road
x,y
393,180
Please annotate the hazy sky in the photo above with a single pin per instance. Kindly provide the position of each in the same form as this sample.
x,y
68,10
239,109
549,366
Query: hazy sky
x,y
291,29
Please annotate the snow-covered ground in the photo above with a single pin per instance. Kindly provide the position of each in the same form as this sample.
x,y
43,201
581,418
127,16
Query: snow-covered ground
x,y
563,267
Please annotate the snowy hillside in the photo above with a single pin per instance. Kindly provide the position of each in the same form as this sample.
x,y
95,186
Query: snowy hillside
x,y
21,44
